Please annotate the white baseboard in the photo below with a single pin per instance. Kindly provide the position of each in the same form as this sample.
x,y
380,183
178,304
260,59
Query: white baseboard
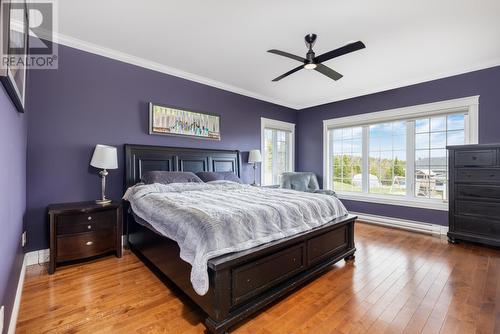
x,y
17,301
409,225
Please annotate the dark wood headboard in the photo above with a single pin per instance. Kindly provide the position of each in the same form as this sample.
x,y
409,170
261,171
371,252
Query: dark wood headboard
x,y
143,158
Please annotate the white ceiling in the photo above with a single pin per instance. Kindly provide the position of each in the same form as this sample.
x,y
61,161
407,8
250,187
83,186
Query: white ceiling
x,y
223,42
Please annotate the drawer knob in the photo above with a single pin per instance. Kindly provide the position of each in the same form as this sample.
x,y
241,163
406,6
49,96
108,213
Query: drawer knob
x,y
474,158
89,243
89,218
89,227
294,260
248,280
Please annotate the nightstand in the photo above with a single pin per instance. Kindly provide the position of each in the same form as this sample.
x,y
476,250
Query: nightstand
x,y
83,230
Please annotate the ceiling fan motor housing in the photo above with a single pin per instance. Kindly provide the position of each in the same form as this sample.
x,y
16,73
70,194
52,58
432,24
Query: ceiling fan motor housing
x,y
310,40
310,57
311,62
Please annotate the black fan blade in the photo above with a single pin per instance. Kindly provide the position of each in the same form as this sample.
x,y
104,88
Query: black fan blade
x,y
328,72
288,55
288,73
340,51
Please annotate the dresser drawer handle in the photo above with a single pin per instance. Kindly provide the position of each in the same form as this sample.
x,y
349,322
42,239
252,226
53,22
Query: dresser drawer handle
x,y
89,243
474,158
89,218
89,227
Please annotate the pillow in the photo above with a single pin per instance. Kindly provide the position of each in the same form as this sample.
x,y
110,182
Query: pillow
x,y
222,182
169,177
214,176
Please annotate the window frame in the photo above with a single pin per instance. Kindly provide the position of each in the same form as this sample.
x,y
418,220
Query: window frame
x,y
267,123
468,105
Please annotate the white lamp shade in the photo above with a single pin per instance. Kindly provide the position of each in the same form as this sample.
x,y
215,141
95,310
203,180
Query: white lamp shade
x,y
104,157
254,156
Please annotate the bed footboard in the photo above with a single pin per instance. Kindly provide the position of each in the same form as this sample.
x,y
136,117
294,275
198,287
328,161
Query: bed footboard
x,y
244,282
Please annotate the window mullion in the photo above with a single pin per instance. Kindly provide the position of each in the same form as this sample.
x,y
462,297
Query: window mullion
x,y
275,156
331,159
365,170
410,159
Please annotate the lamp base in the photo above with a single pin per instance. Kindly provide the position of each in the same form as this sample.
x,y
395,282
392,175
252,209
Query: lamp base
x,y
103,201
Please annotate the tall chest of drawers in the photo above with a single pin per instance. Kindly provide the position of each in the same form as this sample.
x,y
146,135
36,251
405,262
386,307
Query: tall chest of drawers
x,y
474,193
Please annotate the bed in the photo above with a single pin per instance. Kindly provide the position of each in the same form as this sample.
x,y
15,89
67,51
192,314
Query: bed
x,y
242,282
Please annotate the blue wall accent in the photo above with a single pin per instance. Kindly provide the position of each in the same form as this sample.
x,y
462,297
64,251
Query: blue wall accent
x,y
12,199
310,126
91,99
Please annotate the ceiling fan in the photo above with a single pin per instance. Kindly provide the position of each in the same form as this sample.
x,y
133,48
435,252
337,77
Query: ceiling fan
x,y
311,62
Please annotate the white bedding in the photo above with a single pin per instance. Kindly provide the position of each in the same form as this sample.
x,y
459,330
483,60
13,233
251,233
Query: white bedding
x,y
208,220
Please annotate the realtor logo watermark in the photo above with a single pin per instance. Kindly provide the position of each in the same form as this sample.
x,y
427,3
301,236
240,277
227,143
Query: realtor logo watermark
x,y
27,35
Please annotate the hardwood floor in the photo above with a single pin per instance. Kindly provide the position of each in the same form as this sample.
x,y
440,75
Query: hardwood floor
x,y
400,282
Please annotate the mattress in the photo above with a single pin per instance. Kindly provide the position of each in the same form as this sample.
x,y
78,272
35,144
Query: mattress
x,y
209,220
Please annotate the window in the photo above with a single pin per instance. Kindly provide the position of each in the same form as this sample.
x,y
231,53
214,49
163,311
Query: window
x,y
432,135
387,158
277,150
346,154
397,156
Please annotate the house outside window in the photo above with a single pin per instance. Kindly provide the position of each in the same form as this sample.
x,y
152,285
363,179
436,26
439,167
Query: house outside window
x,y
398,156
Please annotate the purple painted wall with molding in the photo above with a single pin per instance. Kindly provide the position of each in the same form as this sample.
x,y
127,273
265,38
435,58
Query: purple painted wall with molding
x,y
92,99
310,126
12,199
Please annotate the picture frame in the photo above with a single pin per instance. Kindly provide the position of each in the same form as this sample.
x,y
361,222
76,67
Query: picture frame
x,y
173,121
14,48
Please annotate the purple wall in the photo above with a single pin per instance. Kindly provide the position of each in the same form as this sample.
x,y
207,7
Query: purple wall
x,y
310,126
12,199
92,99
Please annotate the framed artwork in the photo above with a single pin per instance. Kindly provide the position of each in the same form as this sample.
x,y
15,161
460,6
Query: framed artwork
x,y
168,120
14,51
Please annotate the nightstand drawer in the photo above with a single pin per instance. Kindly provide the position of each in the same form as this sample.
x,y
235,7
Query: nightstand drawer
x,y
85,245
85,222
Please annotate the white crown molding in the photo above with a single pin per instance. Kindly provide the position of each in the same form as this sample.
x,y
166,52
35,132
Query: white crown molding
x,y
148,64
151,65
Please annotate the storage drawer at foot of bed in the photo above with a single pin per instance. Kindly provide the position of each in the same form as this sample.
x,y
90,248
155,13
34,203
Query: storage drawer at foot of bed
x,y
255,277
327,244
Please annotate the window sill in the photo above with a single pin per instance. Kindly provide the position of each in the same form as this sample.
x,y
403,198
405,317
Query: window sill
x,y
393,200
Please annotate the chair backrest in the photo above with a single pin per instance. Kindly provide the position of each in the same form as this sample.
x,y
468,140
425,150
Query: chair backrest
x,y
301,181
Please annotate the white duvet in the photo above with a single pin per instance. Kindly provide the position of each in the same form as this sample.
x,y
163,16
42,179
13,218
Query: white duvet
x,y
208,220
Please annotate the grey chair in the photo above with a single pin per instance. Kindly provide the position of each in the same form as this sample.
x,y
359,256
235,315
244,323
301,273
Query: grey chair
x,y
303,181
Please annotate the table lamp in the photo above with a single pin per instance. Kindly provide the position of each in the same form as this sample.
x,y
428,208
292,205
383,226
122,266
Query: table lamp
x,y
254,157
105,158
